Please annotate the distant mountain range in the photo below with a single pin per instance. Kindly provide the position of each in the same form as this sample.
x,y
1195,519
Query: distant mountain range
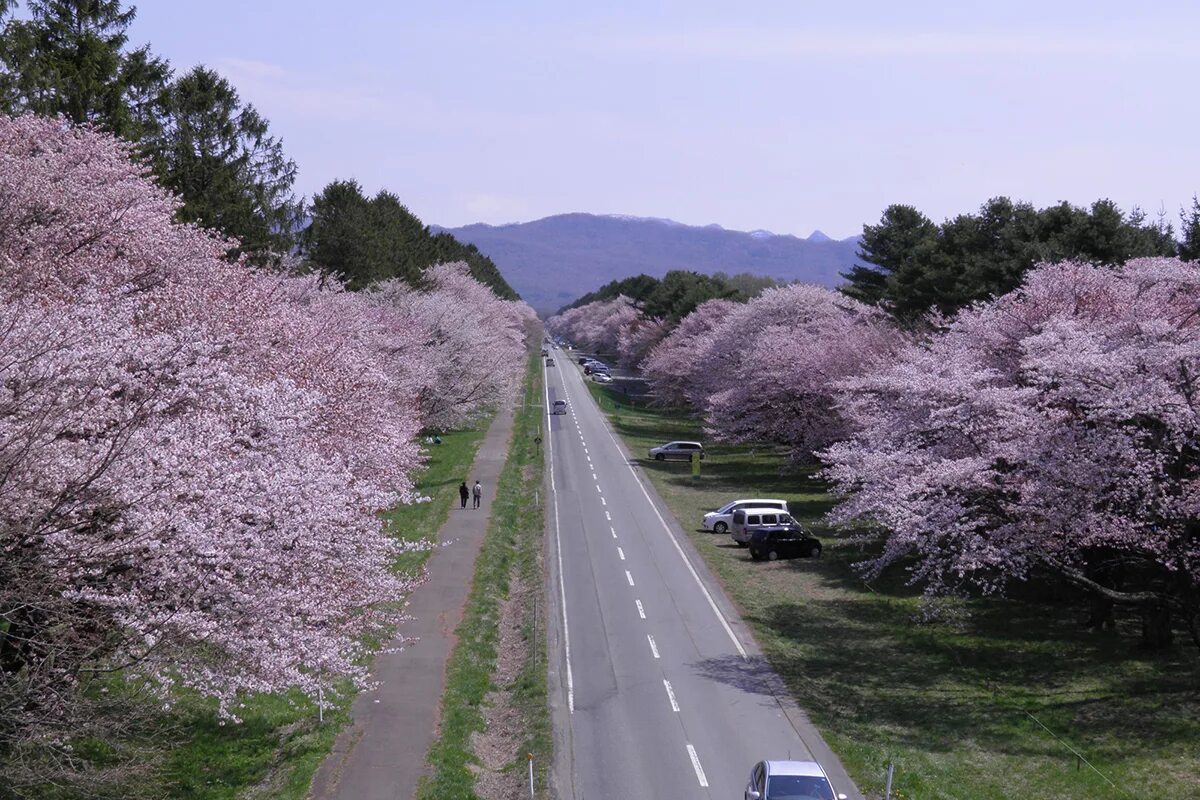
x,y
554,260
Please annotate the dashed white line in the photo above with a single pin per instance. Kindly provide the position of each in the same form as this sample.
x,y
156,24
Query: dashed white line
x,y
614,531
641,611
653,646
603,502
621,553
608,516
696,766
598,488
671,696
629,577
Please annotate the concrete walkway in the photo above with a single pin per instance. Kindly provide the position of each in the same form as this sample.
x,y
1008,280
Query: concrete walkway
x,y
381,754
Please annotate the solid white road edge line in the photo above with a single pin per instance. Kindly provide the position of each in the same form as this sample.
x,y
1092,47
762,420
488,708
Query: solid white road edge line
x,y
671,696
562,589
696,766
653,646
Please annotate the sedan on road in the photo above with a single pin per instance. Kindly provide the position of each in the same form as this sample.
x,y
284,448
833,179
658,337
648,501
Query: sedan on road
x,y
677,451
789,780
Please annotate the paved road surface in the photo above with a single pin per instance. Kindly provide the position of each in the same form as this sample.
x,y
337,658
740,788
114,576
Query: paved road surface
x,y
658,689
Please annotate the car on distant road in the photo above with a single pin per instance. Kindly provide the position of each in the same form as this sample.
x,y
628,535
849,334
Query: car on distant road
x,y
793,541
549,362
747,520
677,451
718,520
789,780
560,407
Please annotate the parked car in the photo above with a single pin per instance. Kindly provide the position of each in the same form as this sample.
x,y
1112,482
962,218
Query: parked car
x,y
584,359
745,520
602,377
560,407
549,362
770,544
718,521
790,780
677,451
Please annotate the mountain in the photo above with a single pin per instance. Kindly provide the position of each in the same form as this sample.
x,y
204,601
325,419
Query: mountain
x,y
554,260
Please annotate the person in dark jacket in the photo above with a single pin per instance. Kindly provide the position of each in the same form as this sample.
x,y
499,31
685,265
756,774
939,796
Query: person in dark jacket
x,y
463,493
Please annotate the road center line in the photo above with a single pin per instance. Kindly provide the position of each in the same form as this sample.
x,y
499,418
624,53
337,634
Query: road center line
x,y
641,611
653,646
608,516
696,766
603,502
671,696
621,553
629,577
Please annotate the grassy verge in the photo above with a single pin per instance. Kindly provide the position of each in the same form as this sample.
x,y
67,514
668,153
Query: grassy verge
x,y
279,745
512,548
955,703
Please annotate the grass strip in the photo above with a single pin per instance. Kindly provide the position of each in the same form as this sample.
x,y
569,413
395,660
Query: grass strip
x,y
948,701
512,546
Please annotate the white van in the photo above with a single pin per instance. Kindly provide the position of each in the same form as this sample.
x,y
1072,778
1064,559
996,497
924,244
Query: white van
x,y
746,519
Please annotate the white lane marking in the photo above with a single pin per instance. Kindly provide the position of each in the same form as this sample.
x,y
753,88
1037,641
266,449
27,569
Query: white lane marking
x,y
594,474
671,696
687,561
653,646
603,502
562,589
614,531
621,553
696,766
598,488
641,611
629,577
608,516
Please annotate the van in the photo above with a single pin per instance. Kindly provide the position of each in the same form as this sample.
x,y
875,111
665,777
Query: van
x,y
748,520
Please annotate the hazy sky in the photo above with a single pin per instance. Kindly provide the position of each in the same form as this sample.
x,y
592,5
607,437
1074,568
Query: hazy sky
x,y
788,116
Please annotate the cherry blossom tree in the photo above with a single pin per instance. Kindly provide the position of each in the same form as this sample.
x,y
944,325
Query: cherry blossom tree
x,y
774,364
470,343
637,337
1050,432
675,375
596,326
194,452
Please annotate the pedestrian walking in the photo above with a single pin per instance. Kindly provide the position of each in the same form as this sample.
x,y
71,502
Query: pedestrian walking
x,y
463,493
478,493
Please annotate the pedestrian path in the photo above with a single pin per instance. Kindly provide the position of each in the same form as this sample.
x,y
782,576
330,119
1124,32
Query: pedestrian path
x,y
381,754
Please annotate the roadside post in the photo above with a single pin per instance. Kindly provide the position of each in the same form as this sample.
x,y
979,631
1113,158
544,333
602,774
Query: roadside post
x,y
530,755
695,465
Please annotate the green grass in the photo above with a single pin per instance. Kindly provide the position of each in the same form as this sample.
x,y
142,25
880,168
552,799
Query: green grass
x,y
279,744
512,544
948,701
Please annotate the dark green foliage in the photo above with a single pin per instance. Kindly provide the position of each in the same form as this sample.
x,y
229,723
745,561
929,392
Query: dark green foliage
x,y
69,58
1189,232
912,265
218,156
672,298
747,283
368,240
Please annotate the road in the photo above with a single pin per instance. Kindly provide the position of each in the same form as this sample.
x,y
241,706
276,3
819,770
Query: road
x,y
658,690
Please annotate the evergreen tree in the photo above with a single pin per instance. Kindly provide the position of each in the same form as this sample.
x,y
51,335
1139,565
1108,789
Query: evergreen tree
x,y
220,158
70,58
1189,232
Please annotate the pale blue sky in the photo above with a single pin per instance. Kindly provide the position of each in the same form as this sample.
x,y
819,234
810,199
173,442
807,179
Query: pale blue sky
x,y
787,116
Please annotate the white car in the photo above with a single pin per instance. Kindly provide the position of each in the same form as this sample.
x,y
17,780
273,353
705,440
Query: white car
x,y
790,780
602,377
677,451
718,521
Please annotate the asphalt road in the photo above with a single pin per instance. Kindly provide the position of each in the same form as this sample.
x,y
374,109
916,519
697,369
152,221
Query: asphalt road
x,y
658,690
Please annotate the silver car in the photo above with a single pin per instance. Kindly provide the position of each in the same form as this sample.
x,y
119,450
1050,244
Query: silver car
x,y
677,451
719,521
790,780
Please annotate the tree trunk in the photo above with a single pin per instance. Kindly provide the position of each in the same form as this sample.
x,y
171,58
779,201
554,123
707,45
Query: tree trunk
x,y
1101,616
1156,626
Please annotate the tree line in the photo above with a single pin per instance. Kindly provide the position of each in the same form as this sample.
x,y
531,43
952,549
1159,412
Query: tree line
x,y
678,293
73,59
